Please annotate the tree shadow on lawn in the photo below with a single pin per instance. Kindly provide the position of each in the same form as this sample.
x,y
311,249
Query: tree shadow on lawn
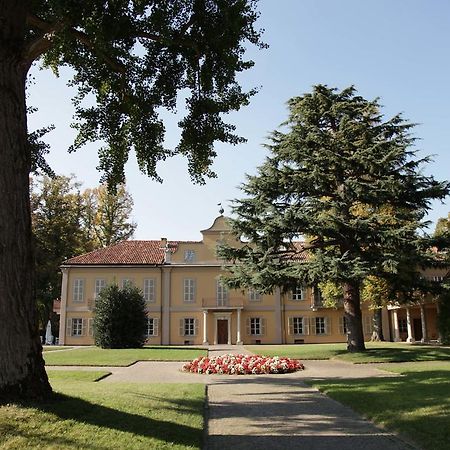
x,y
417,404
72,408
397,354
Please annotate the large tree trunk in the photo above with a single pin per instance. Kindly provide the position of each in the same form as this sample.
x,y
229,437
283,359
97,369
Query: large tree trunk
x,y
377,334
353,317
22,372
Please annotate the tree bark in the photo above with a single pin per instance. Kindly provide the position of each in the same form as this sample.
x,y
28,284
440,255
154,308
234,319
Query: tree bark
x,y
22,371
353,317
377,334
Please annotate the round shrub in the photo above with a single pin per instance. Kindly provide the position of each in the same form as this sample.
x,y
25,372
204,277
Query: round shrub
x,y
120,318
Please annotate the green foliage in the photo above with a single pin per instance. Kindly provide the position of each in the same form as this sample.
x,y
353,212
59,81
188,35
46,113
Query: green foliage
x,y
442,226
444,316
67,222
120,318
134,58
106,215
332,294
349,181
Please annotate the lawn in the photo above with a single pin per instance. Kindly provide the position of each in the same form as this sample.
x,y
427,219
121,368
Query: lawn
x,y
52,348
376,352
416,405
94,356
104,416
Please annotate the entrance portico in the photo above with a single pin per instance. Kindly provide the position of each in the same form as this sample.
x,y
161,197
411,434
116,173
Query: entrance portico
x,y
223,317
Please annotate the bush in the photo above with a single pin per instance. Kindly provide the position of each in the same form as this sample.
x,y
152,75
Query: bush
x,y
444,317
120,318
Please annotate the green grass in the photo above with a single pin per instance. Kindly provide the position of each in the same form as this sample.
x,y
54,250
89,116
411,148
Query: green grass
x,y
376,352
104,416
416,405
51,348
93,356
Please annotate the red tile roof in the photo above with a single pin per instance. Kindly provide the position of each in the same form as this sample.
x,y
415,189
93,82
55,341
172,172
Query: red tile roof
x,y
125,252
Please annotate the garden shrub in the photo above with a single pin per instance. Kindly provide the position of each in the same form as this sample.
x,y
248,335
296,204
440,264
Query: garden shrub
x,y
120,318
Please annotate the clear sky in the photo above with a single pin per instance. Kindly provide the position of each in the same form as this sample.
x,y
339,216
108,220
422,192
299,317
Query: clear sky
x,y
397,50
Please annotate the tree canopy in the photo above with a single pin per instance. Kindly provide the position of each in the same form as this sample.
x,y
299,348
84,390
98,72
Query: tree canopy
x,y
131,59
348,181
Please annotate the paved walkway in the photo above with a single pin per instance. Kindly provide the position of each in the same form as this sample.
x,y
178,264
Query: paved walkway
x,y
265,412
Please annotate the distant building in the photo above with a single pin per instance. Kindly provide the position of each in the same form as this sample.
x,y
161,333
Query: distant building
x,y
187,303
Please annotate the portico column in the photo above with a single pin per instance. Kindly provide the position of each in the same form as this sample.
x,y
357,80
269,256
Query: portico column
x,y
423,321
437,323
396,331
408,324
205,327
238,333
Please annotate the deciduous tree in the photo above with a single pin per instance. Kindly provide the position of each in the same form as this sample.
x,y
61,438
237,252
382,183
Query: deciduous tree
x,y
132,58
330,177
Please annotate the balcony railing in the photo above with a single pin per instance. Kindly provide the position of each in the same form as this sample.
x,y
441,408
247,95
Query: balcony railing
x,y
223,303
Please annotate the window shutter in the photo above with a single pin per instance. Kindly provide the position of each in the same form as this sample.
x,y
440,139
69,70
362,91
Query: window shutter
x,y
195,327
91,327
248,326
327,325
69,327
312,325
181,327
155,327
83,327
263,326
290,325
367,324
341,324
305,325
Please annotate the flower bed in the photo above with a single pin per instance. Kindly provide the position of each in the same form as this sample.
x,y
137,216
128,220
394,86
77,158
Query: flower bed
x,y
242,365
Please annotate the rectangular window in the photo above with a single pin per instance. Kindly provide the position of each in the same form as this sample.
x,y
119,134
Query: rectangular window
x,y
189,327
77,327
100,284
152,326
297,325
149,290
320,324
256,326
189,256
402,326
343,329
367,324
298,293
254,295
189,290
90,327
222,294
127,282
78,290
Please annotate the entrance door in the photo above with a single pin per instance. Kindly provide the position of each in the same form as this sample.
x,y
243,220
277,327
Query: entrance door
x,y
417,326
222,331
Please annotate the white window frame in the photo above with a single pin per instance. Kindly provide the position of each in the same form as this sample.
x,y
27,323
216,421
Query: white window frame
x,y
100,284
320,325
78,290
189,255
189,290
188,326
254,295
402,325
221,294
343,326
298,294
126,281
149,290
256,326
91,327
76,327
152,329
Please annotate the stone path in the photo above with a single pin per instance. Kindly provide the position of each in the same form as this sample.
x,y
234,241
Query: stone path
x,y
271,411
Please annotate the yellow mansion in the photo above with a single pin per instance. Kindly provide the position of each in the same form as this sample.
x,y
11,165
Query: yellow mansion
x,y
187,303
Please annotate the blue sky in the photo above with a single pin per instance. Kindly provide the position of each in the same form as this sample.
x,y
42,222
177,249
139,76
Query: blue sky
x,y
397,50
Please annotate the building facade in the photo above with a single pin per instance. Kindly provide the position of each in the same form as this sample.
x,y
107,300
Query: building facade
x,y
188,305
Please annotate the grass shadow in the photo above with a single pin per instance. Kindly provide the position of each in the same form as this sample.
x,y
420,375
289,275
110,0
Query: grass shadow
x,y
66,407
